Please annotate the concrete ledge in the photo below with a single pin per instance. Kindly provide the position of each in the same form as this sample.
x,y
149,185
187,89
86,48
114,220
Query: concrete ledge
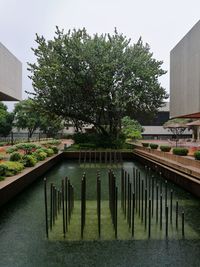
x,y
13,185
178,173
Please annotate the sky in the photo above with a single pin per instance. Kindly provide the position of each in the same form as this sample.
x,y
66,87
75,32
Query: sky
x,y
161,24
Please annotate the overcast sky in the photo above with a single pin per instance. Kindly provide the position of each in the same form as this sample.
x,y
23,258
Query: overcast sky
x,y
160,23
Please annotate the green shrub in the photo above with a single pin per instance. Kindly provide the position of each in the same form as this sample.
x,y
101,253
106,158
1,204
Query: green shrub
x,y
165,148
29,160
153,146
145,144
11,168
40,155
3,169
55,149
11,149
180,151
197,155
3,143
87,145
16,156
1,156
27,147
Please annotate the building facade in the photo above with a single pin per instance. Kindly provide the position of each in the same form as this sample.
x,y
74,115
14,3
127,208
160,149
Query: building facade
x,y
185,76
10,76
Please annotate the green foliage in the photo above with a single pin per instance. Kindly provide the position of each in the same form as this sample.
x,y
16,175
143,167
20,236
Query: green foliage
x,y
15,156
87,145
145,144
95,79
153,146
197,155
55,149
180,151
82,138
1,156
10,168
6,120
3,143
131,128
165,148
29,160
11,149
41,155
28,148
48,151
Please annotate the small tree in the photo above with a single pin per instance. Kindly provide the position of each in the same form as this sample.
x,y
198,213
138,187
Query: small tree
x,y
6,120
131,128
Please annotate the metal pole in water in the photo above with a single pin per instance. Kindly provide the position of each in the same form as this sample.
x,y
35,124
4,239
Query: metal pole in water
x,y
183,224
63,208
51,206
133,214
166,229
157,203
165,193
79,156
130,205
66,204
149,228
142,215
160,211
139,192
116,197
171,202
176,214
145,209
45,204
152,195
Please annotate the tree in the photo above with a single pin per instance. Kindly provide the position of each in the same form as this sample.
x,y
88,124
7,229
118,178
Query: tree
x,y
27,116
95,79
177,126
6,120
131,128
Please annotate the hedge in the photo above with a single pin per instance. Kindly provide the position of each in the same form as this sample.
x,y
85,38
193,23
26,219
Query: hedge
x,y
16,156
180,151
165,148
153,146
197,155
145,144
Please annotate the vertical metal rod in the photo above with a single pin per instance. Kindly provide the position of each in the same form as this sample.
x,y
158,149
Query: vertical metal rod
x,y
165,193
145,209
133,214
149,228
176,214
142,200
171,202
152,195
116,201
156,203
139,193
45,204
125,188
166,229
130,193
63,207
160,211
183,224
51,206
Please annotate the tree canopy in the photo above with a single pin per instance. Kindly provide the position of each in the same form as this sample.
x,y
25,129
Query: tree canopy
x,y
131,128
6,119
28,117
95,79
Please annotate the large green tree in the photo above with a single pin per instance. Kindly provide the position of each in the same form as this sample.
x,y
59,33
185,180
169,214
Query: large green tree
x,y
95,79
6,120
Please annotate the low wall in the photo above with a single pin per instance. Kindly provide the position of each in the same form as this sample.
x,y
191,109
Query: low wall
x,y
76,155
175,168
15,184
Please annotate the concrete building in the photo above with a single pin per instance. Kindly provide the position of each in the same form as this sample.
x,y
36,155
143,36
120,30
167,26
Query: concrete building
x,y
185,76
10,76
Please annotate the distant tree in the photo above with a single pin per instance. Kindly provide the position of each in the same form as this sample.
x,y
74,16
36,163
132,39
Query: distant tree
x,y
177,126
6,120
131,128
27,116
95,79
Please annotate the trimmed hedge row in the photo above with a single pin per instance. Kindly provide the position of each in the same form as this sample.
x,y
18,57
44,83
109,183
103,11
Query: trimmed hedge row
x,y
180,151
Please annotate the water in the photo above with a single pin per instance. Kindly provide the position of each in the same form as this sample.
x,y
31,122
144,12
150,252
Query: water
x,y
23,242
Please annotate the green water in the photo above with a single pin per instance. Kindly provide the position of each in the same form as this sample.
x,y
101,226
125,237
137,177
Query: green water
x,y
22,229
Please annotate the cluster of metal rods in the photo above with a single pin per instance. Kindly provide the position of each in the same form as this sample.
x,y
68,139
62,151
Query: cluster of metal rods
x,y
60,199
145,196
108,157
113,199
141,196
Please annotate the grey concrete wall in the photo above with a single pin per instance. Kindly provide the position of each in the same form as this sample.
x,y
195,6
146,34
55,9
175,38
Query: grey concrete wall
x,y
10,76
185,74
